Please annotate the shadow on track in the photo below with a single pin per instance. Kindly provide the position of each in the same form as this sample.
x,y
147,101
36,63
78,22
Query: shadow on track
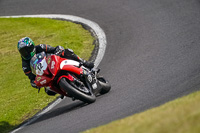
x,y
61,110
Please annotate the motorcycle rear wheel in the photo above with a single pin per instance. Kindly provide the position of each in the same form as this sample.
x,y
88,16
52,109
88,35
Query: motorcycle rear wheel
x,y
77,94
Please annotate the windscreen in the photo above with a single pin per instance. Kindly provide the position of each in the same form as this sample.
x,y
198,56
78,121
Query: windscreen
x,y
38,63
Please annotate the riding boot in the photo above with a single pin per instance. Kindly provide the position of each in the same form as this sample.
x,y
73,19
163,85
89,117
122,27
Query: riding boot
x,y
88,64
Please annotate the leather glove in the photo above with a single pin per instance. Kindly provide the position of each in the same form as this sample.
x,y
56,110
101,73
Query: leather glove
x,y
59,51
33,84
88,64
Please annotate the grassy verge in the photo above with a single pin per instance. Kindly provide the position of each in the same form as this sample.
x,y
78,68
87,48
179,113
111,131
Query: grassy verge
x,y
19,101
179,116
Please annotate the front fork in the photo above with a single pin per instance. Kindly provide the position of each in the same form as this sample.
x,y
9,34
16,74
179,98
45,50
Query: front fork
x,y
91,80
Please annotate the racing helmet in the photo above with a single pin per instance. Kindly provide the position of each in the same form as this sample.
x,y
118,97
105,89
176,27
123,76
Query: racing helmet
x,y
26,48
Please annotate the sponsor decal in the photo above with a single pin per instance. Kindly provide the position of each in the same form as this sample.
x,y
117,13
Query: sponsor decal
x,y
89,78
52,64
43,82
38,79
94,86
49,60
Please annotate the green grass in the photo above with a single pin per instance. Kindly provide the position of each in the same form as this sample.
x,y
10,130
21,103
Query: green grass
x,y
18,100
179,116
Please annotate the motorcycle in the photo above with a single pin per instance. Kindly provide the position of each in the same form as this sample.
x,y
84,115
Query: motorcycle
x,y
68,77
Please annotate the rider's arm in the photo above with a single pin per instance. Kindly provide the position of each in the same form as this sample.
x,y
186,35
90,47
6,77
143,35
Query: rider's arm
x,y
65,53
44,47
69,54
27,70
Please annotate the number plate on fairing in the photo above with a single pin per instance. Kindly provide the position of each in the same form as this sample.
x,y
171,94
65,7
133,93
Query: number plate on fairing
x,y
41,67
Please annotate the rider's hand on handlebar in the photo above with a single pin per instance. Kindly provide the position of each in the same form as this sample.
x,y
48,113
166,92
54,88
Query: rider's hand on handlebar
x,y
88,64
59,51
34,85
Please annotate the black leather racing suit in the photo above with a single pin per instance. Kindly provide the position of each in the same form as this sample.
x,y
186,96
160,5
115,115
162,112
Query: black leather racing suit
x,y
68,53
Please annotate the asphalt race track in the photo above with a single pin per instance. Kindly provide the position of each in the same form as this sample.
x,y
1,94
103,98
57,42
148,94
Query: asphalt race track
x,y
152,56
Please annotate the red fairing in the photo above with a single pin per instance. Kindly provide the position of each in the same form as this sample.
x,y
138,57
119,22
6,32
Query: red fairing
x,y
69,77
46,72
53,67
60,91
42,81
73,69
53,64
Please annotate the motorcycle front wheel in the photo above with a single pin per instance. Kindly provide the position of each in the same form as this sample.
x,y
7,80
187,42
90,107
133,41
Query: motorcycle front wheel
x,y
88,97
105,85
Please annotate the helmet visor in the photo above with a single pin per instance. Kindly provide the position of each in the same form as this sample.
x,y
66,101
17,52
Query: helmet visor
x,y
27,52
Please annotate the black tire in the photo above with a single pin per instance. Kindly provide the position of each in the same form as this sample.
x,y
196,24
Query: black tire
x,y
87,98
105,85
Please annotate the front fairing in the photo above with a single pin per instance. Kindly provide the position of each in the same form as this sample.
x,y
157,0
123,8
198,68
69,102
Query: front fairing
x,y
53,63
38,64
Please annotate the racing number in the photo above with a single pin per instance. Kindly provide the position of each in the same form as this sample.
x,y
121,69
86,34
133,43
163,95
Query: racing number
x,y
39,66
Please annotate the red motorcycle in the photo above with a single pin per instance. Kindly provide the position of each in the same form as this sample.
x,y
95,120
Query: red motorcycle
x,y
68,77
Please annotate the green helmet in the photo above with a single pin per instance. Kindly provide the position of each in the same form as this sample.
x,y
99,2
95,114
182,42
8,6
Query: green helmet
x,y
26,48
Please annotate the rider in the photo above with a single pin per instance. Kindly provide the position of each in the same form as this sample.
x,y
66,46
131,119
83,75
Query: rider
x,y
27,49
